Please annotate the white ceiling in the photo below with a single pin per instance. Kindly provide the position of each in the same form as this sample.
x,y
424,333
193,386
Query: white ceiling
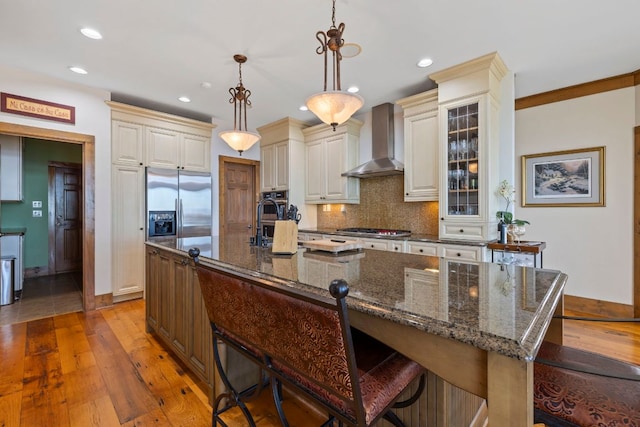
x,y
155,51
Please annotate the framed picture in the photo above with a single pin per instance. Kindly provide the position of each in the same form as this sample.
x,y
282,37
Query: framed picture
x,y
564,178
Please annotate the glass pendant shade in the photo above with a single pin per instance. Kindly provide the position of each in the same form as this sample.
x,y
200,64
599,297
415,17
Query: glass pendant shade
x,y
334,107
239,140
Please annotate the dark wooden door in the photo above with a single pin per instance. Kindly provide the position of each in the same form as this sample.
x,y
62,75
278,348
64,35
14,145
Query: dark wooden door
x,y
239,199
67,218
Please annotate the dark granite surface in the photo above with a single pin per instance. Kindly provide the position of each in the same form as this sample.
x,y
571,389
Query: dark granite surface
x,y
505,309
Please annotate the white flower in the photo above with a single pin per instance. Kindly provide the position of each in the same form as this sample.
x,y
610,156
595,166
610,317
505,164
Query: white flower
x,y
507,191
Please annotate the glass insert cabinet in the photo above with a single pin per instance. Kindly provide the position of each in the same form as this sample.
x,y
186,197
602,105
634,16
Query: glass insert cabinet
x,y
463,180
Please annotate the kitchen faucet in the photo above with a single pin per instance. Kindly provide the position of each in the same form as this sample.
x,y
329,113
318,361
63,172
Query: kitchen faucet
x,y
260,239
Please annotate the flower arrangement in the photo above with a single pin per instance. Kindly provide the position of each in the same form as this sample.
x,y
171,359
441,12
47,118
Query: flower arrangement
x,y
508,193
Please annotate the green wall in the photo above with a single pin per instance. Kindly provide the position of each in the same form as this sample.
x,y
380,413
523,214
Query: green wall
x,y
35,186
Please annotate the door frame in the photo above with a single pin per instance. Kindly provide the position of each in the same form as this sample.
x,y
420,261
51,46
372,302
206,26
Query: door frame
x,y
88,191
222,162
636,226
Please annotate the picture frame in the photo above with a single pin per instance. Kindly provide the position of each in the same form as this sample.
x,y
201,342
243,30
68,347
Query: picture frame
x,y
570,178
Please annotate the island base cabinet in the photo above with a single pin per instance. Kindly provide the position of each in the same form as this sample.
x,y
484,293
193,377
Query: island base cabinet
x,y
177,316
175,312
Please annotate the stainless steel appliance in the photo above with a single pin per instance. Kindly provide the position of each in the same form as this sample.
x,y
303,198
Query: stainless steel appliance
x,y
268,212
363,231
178,203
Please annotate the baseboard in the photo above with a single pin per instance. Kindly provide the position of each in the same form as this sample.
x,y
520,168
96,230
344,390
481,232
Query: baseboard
x,y
36,271
597,307
104,300
127,297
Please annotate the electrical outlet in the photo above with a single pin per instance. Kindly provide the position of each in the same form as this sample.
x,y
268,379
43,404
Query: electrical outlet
x,y
37,213
36,204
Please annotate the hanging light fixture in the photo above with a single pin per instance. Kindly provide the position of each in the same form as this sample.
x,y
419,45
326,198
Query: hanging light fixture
x,y
238,139
333,107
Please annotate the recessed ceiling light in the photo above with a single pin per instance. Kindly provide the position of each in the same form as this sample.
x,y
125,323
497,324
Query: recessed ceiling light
x,y
184,99
78,70
353,89
303,108
91,33
423,63
206,85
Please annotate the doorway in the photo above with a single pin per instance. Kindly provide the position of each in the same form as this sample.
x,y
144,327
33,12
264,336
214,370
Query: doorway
x,y
87,193
239,180
65,222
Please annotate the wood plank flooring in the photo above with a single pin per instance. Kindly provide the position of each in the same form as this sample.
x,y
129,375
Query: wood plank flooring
x,y
102,369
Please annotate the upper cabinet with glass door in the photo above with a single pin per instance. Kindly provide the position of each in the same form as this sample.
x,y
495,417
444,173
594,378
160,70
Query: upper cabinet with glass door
x,y
462,160
469,98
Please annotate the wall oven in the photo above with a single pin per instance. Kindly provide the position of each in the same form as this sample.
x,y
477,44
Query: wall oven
x,y
269,214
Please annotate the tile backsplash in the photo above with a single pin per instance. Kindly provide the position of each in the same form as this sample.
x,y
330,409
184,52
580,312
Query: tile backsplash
x,y
382,206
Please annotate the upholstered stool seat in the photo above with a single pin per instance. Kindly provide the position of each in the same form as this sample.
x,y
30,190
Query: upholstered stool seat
x,y
595,391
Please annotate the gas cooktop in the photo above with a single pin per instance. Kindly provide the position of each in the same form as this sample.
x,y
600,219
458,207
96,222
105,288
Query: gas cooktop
x,y
376,231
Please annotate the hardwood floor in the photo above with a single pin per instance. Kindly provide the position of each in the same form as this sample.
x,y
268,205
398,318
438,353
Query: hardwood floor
x,y
102,369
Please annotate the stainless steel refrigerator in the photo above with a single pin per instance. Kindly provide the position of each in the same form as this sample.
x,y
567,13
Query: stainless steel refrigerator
x,y
178,203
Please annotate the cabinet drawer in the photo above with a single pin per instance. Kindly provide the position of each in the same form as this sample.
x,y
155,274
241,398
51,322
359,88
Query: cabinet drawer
x,y
466,253
430,249
380,245
459,231
396,246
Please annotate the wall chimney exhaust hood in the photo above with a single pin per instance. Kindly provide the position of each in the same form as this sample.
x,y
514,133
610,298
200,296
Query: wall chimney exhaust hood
x,y
383,162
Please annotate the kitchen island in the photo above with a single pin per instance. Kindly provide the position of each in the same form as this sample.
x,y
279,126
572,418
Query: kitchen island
x,y
475,325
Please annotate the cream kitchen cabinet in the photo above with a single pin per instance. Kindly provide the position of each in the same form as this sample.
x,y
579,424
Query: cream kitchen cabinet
x,y
274,167
127,143
423,248
281,157
470,138
327,155
128,235
421,142
383,244
149,138
10,168
140,138
167,148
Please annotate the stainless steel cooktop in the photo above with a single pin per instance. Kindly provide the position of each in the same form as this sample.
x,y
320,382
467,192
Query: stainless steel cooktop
x,y
375,231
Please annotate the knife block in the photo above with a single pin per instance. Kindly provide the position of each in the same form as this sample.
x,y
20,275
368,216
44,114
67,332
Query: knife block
x,y
285,237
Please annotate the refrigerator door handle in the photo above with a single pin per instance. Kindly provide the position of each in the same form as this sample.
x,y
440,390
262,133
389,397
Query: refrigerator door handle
x,y
177,209
181,221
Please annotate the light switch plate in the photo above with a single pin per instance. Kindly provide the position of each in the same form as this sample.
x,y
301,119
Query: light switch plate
x,y
36,204
37,213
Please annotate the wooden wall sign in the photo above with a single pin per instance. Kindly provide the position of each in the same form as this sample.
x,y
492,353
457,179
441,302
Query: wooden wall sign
x,y
37,108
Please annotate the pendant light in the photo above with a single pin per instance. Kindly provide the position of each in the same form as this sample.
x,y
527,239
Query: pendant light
x,y
333,107
239,139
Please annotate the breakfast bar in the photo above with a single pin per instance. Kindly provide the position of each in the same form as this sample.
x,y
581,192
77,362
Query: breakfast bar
x,y
477,326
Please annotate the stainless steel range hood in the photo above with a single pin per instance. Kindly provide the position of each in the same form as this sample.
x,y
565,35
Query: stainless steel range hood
x,y
383,162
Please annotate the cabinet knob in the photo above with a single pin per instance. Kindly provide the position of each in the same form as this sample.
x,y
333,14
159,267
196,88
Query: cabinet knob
x,y
462,230
141,228
441,219
372,246
458,254
396,248
421,250
406,194
140,163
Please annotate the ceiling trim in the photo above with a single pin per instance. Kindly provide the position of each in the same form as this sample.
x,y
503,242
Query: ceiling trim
x,y
576,91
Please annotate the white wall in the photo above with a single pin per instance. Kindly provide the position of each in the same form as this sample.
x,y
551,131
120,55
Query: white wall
x,y
93,117
593,245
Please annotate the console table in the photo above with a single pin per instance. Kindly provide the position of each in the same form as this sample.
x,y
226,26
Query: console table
x,y
509,253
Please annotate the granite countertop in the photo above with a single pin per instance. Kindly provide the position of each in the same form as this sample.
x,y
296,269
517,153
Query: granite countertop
x,y
427,238
500,308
